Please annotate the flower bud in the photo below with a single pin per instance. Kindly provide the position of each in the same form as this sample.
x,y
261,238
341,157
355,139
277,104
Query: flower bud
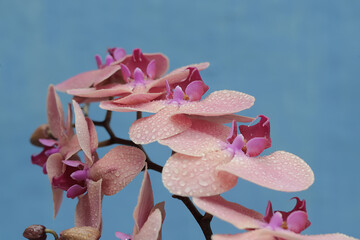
x,y
43,131
80,233
35,232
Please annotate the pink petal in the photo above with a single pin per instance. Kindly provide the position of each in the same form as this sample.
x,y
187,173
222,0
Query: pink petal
x,y
125,72
194,176
159,126
288,235
105,91
297,221
137,98
82,131
203,137
70,148
251,235
196,89
55,114
151,69
86,79
68,123
161,63
54,168
240,216
152,227
122,236
145,203
256,146
118,168
219,103
75,190
88,209
175,76
93,135
151,107
280,171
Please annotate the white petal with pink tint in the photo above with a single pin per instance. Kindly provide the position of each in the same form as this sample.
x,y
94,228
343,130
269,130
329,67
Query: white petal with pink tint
x,y
54,168
88,209
151,107
159,126
195,176
118,168
251,235
151,228
144,204
241,217
86,79
202,137
224,118
137,98
82,131
55,114
280,171
219,103
102,92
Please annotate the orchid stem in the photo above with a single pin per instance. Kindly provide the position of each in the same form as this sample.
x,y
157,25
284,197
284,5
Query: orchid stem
x,y
56,237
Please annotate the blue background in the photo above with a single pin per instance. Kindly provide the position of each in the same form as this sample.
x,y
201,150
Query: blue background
x,y
300,59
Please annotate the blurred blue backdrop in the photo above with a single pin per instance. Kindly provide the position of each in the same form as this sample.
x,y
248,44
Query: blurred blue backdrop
x,y
300,59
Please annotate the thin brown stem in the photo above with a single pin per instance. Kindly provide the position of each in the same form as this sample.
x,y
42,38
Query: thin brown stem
x,y
56,237
202,220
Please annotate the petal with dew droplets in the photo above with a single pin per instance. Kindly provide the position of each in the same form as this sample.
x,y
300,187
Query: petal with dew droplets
x,y
54,168
118,168
239,216
201,138
55,114
88,209
280,171
159,126
197,176
86,79
219,103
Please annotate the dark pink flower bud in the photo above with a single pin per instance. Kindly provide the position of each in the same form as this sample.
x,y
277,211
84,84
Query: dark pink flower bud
x,y
35,232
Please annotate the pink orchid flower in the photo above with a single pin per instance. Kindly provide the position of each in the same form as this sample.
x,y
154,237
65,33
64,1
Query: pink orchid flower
x,y
107,175
148,218
172,114
279,225
61,138
133,78
209,160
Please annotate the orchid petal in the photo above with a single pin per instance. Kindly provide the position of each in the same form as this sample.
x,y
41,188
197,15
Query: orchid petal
x,y
118,53
70,148
224,118
241,217
280,171
151,229
93,135
82,131
118,168
276,221
159,126
202,137
137,98
145,203
195,90
233,132
47,142
123,236
104,91
297,221
261,129
219,103
75,190
98,61
152,107
253,235
178,94
55,113
256,146
86,79
54,168
194,176
88,209
151,69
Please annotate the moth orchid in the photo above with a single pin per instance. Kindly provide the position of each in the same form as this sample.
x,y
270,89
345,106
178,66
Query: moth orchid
x,y
172,114
210,157
279,225
58,136
107,175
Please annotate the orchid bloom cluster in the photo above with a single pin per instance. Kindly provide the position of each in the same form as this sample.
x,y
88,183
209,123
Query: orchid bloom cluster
x,y
212,147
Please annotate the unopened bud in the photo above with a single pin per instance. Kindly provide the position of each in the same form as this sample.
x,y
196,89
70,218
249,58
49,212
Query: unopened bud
x,y
43,131
35,232
80,233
